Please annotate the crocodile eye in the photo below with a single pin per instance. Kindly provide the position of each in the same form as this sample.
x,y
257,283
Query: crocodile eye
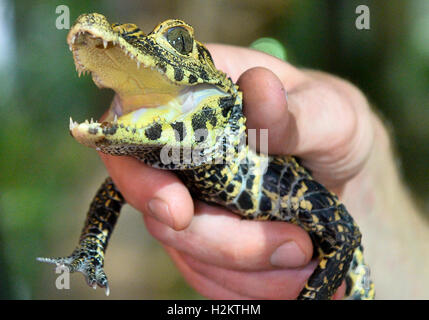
x,y
180,39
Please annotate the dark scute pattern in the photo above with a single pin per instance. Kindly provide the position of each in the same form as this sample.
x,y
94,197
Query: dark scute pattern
x,y
318,200
154,132
223,196
93,130
178,74
226,104
244,168
244,201
203,53
265,203
192,79
314,186
213,178
230,188
271,178
110,129
199,120
249,182
179,130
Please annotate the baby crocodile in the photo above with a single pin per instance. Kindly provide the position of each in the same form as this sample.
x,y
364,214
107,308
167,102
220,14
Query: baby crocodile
x,y
174,110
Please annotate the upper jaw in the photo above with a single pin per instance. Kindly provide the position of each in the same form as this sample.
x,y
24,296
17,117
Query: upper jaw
x,y
79,37
115,64
98,48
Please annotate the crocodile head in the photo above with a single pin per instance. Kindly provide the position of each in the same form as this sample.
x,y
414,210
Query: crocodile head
x,y
167,87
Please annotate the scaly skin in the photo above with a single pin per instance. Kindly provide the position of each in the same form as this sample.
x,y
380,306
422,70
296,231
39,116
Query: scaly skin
x,y
175,111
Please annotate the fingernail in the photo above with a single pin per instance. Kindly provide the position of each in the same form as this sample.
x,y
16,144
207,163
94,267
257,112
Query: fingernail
x,y
288,255
159,210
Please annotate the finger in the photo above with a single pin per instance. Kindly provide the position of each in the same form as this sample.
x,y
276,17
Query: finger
x,y
221,238
201,284
157,193
271,284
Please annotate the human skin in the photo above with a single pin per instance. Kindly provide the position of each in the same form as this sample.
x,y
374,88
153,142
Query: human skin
x,y
328,123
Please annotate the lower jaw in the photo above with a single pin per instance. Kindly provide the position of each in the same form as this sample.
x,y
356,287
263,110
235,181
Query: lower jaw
x,y
143,116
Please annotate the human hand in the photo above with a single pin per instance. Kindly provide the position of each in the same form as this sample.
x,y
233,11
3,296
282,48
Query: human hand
x,y
324,120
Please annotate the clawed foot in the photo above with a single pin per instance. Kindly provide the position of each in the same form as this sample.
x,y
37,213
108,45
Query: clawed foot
x,y
90,265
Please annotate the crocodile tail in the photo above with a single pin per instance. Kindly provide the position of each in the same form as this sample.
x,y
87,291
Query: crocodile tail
x,y
358,283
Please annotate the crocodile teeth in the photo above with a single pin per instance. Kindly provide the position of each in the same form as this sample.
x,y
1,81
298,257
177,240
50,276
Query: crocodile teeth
x,y
105,43
115,120
73,39
138,64
72,124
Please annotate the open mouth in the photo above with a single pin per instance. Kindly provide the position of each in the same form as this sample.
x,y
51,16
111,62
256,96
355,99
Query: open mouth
x,y
145,93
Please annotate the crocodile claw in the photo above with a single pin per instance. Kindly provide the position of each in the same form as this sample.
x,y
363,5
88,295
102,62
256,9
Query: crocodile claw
x,y
90,266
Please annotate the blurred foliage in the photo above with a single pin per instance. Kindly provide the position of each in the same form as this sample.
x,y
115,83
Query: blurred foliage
x,y
271,46
47,180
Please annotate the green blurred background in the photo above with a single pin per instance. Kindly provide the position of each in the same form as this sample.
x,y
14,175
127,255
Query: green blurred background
x,y
47,180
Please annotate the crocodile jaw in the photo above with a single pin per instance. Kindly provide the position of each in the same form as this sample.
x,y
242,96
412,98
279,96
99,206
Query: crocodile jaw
x,y
115,64
144,94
